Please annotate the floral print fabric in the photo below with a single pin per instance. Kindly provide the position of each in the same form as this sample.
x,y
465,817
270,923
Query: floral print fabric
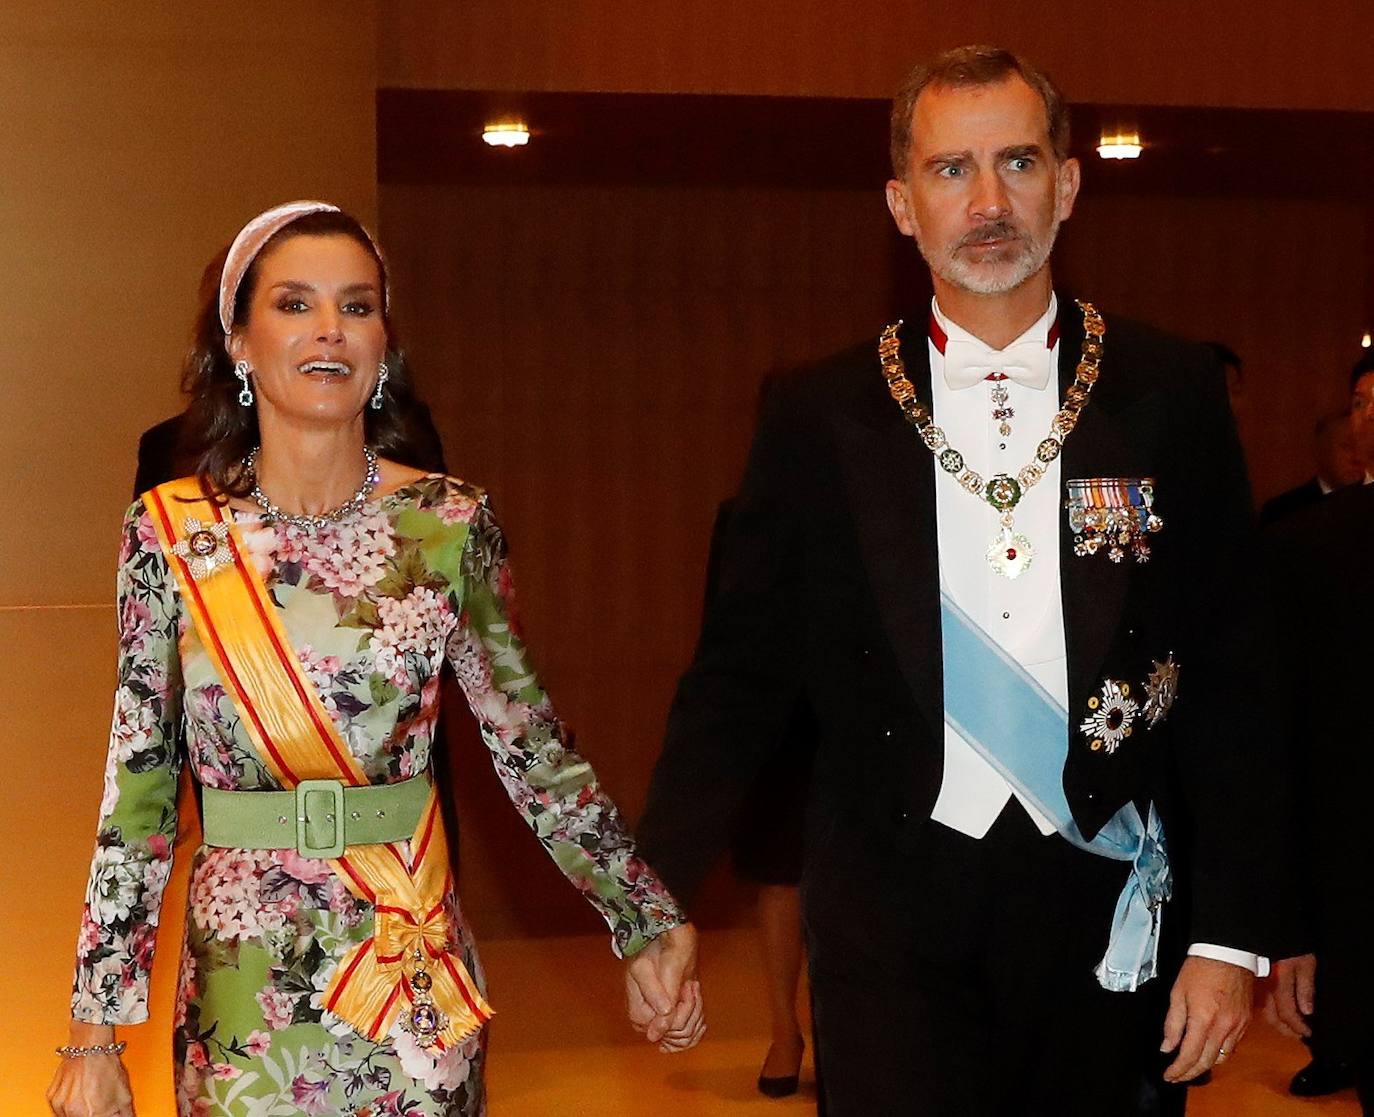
x,y
373,606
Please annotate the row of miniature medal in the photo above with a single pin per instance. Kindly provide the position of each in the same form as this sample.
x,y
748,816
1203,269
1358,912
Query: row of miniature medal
x,y
1099,515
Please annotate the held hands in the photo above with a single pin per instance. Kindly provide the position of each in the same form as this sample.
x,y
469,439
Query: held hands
x,y
662,995
1209,1010
1292,996
92,1085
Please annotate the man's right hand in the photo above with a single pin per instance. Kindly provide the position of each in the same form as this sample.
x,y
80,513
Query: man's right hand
x,y
662,995
91,1085
1292,996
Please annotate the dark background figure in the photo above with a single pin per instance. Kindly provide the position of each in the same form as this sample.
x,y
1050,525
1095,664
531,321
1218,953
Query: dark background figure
x,y
768,850
1362,412
1338,465
1319,572
1234,368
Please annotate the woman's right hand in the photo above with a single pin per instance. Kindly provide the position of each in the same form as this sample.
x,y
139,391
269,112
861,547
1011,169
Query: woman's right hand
x,y
91,1085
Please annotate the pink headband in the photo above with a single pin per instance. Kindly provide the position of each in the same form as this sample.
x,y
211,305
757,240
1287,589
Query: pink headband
x,y
250,242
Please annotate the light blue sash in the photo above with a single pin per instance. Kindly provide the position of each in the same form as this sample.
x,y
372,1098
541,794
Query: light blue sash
x,y
1017,727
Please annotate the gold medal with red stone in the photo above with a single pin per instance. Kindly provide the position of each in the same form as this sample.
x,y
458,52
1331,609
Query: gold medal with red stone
x,y
204,547
1010,553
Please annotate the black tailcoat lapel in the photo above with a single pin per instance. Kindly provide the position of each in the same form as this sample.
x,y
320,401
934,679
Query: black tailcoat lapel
x,y
1093,587
890,479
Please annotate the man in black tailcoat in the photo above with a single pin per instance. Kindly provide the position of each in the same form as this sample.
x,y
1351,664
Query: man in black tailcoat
x,y
1337,466
954,935
1323,663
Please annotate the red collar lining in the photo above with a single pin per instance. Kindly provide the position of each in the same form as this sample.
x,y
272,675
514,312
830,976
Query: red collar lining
x,y
940,338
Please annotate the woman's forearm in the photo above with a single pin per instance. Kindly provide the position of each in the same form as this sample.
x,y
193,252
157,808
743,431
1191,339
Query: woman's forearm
x,y
91,1035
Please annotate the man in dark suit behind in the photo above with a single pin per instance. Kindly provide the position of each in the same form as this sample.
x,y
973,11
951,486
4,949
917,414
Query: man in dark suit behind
x,y
1337,466
1324,660
954,935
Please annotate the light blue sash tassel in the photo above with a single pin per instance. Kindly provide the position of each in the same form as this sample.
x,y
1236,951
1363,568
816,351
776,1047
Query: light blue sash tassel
x,y
1017,727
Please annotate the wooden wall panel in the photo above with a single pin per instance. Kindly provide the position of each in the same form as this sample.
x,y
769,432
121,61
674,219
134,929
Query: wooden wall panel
x,y
1175,52
1282,282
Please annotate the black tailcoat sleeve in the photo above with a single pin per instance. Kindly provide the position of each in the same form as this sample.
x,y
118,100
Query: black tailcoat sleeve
x,y
733,703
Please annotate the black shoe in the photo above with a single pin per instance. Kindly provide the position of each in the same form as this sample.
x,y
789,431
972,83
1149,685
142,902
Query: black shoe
x,y
780,1086
1322,1076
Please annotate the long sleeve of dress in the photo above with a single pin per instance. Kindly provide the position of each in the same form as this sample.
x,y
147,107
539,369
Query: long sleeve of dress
x,y
133,855
552,786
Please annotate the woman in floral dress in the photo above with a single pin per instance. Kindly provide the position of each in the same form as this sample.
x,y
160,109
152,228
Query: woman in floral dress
x,y
372,601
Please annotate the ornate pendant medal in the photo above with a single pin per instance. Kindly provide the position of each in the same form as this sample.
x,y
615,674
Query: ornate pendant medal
x,y
204,548
1010,552
424,1020
1002,412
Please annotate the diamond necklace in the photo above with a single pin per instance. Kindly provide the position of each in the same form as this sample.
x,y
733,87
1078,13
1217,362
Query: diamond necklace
x,y
305,521
1010,552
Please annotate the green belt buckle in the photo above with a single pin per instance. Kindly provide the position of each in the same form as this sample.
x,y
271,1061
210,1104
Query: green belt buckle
x,y
327,797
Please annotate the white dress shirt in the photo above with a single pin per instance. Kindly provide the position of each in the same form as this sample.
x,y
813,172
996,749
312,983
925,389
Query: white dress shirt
x,y
1025,615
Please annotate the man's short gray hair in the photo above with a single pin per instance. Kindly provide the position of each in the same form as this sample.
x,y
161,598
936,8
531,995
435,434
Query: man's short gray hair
x,y
973,66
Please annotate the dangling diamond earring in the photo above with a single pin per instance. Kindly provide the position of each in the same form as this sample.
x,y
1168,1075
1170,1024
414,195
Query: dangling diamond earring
x,y
241,370
382,373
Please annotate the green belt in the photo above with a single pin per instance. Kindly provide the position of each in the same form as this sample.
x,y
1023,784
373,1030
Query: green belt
x,y
320,818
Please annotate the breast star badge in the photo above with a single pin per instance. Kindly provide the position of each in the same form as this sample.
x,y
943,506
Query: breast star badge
x,y
1112,717
1161,689
204,547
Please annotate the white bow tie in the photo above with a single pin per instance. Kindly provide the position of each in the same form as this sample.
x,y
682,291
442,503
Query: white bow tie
x,y
969,362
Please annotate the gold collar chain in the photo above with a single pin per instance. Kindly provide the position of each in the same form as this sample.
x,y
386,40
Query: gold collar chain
x,y
1010,553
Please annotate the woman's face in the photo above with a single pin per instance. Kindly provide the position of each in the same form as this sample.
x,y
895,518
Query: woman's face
x,y
315,334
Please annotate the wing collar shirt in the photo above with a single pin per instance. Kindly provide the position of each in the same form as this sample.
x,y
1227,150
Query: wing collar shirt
x,y
1025,616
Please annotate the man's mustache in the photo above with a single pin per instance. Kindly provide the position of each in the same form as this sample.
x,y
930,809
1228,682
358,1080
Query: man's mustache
x,y
992,230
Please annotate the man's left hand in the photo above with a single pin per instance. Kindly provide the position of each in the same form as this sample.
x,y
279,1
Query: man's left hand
x,y
1209,1010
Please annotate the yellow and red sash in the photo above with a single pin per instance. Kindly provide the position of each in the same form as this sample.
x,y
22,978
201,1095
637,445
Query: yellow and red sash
x,y
404,966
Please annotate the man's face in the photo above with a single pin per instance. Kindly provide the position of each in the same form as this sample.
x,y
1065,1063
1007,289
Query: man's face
x,y
1362,419
983,194
1338,462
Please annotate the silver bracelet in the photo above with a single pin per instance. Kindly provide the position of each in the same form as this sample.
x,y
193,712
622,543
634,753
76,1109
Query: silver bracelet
x,y
70,1051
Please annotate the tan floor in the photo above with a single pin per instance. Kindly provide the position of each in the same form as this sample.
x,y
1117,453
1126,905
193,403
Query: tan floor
x,y
560,1047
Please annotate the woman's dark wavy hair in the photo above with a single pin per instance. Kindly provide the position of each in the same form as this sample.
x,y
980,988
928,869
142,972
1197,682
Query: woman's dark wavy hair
x,y
219,432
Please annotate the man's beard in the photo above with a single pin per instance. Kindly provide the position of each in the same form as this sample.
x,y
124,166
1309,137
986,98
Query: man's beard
x,y
1015,263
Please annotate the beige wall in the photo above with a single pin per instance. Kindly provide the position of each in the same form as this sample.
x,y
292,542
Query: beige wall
x,y
136,138
1168,52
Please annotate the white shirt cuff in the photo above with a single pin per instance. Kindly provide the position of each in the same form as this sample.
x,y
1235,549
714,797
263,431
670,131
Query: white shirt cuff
x,y
1257,964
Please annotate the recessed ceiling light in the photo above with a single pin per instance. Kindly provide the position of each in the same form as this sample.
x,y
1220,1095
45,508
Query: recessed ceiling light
x,y
1120,145
506,135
